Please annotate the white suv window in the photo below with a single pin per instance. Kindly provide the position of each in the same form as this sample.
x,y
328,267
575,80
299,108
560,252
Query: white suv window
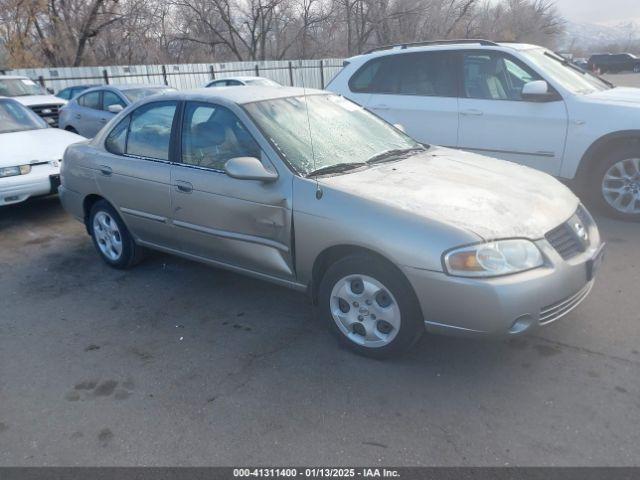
x,y
492,76
425,73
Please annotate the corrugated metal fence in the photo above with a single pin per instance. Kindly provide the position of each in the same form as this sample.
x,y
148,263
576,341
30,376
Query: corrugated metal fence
x,y
308,73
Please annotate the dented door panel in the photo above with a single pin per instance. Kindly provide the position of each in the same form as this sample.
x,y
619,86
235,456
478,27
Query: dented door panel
x,y
244,223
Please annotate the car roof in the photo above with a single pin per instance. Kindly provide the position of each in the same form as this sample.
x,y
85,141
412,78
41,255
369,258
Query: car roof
x,y
126,86
242,94
463,45
14,77
241,78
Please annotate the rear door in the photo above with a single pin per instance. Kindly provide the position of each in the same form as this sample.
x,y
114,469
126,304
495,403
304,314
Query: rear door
x,y
497,122
243,223
416,90
133,172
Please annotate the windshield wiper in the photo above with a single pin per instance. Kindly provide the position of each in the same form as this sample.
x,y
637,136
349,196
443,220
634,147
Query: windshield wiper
x,y
337,168
394,154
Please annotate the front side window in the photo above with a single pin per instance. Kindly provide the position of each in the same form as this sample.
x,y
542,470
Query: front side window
x,y
492,76
90,100
14,117
425,74
211,135
317,131
110,98
572,78
150,130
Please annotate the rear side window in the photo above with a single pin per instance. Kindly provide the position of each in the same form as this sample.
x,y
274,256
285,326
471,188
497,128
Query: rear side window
x,y
90,100
150,130
146,132
110,98
424,74
116,141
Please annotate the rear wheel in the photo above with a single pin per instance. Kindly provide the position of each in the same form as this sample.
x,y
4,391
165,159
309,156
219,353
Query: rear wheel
x,y
615,185
112,239
370,307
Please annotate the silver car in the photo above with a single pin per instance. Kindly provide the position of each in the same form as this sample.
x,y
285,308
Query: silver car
x,y
88,112
310,191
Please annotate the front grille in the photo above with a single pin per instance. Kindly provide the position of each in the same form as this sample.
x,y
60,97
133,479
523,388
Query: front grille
x,y
50,113
564,238
553,312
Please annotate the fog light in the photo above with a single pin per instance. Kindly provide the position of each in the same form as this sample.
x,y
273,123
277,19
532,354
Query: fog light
x,y
522,323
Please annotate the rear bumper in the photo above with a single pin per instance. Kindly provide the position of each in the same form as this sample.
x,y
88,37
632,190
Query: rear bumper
x,y
42,180
508,305
71,202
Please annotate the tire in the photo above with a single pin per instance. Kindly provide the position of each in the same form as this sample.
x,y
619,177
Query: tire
x,y
111,238
636,68
605,177
386,293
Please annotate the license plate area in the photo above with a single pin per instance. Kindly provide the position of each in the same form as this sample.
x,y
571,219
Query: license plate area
x,y
593,264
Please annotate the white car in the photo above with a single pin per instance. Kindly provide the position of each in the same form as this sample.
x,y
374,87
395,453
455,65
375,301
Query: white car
x,y
242,81
32,95
511,101
31,153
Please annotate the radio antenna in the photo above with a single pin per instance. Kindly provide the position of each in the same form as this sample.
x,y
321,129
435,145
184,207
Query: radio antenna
x,y
306,106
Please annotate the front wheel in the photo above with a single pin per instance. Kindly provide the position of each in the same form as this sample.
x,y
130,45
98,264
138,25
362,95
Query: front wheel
x,y
615,184
370,307
111,237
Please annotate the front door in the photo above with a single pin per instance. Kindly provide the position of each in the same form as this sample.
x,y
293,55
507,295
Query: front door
x,y
497,122
87,116
242,223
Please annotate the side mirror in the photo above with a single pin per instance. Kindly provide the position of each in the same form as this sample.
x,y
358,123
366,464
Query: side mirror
x,y
116,108
400,127
248,168
50,91
537,91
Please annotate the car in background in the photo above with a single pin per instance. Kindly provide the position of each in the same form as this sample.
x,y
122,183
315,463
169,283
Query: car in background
x,y
70,92
30,155
583,63
242,81
614,63
87,113
512,101
32,95
391,237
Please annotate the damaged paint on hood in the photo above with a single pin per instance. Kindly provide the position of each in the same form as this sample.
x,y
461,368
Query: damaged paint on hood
x,y
492,198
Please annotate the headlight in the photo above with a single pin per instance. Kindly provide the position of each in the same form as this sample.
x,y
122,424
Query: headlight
x,y
500,257
13,171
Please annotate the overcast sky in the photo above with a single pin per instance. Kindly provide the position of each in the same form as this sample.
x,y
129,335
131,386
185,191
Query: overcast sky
x,y
600,11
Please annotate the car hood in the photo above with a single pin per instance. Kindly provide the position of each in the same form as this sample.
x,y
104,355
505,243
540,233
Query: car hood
x,y
40,100
491,198
617,95
43,145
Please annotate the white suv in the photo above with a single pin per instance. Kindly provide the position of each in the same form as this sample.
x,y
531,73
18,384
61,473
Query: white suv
x,y
33,96
512,101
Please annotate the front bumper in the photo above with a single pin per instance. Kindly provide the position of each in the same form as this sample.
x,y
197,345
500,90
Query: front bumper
x,y
43,179
508,305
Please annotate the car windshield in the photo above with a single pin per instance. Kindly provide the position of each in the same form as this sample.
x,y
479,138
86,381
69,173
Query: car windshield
x,y
14,117
19,87
264,82
562,71
342,133
136,94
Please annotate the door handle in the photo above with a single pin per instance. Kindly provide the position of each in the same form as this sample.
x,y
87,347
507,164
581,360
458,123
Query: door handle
x,y
103,120
105,170
380,107
78,116
184,187
472,111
